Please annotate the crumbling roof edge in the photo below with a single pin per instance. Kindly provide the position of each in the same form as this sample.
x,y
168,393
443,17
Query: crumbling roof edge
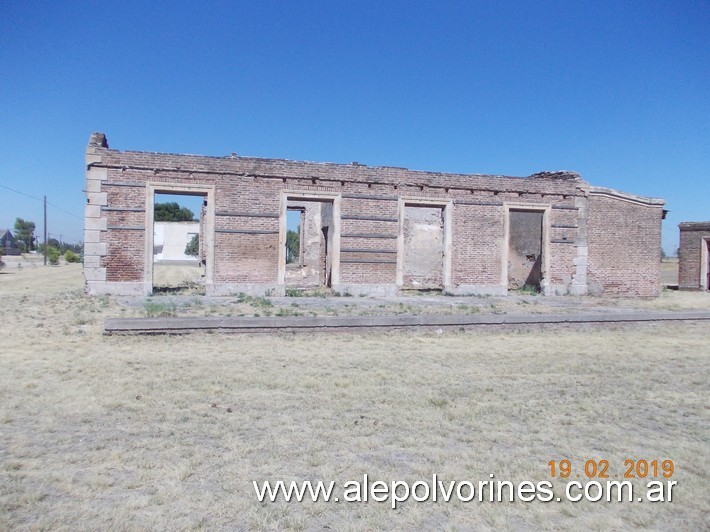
x,y
247,158
99,144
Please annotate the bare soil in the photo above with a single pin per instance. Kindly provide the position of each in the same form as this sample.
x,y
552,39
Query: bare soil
x,y
168,432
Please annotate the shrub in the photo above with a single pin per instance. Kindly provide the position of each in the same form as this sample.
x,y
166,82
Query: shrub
x,y
53,255
70,256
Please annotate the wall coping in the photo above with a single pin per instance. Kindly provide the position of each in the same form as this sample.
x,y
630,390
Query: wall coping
x,y
626,196
694,226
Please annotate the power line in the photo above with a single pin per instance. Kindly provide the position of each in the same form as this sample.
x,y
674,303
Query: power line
x,y
21,193
41,200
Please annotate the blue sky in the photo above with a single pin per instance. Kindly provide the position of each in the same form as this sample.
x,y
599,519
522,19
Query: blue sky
x,y
617,91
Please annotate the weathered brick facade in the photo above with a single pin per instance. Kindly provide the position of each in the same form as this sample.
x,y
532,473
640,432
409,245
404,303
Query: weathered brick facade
x,y
694,256
382,229
624,237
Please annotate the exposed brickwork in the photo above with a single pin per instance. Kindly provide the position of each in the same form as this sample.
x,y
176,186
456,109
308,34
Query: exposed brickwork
x,y
562,267
373,273
693,236
246,258
624,246
250,195
126,253
477,244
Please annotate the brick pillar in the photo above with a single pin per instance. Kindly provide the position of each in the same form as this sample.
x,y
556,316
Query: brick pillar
x,y
95,220
579,279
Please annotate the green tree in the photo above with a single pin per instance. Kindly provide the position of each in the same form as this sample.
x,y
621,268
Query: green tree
x,y
293,245
24,234
192,248
172,212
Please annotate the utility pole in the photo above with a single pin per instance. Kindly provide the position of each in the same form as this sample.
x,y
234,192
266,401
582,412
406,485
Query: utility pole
x,y
45,230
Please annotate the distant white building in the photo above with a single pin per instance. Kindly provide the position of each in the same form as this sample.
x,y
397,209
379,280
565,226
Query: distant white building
x,y
170,239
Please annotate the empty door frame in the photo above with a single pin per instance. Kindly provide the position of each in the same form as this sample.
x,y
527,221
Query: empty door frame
x,y
322,197
208,229
545,209
447,206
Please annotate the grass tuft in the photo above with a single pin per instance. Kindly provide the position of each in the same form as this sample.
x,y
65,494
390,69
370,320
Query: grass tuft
x,y
157,309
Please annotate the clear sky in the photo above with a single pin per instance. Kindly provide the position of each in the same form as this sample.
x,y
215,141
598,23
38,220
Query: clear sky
x,y
618,91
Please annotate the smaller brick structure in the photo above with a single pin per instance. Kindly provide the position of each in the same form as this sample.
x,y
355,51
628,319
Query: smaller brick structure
x,y
694,256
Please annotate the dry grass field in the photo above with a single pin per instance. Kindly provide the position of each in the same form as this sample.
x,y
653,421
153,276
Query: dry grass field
x,y
170,275
669,271
168,432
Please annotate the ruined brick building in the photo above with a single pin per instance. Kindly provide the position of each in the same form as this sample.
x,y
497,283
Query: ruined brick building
x,y
694,256
369,230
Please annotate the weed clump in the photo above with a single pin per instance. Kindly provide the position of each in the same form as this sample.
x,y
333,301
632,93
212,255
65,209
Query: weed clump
x,y
155,309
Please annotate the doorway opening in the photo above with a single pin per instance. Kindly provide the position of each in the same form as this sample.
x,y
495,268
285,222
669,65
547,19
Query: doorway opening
x,y
294,247
526,250
179,258
423,239
309,244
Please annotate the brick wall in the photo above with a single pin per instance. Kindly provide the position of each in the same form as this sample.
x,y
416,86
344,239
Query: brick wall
x,y
369,227
624,245
693,236
477,244
249,200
